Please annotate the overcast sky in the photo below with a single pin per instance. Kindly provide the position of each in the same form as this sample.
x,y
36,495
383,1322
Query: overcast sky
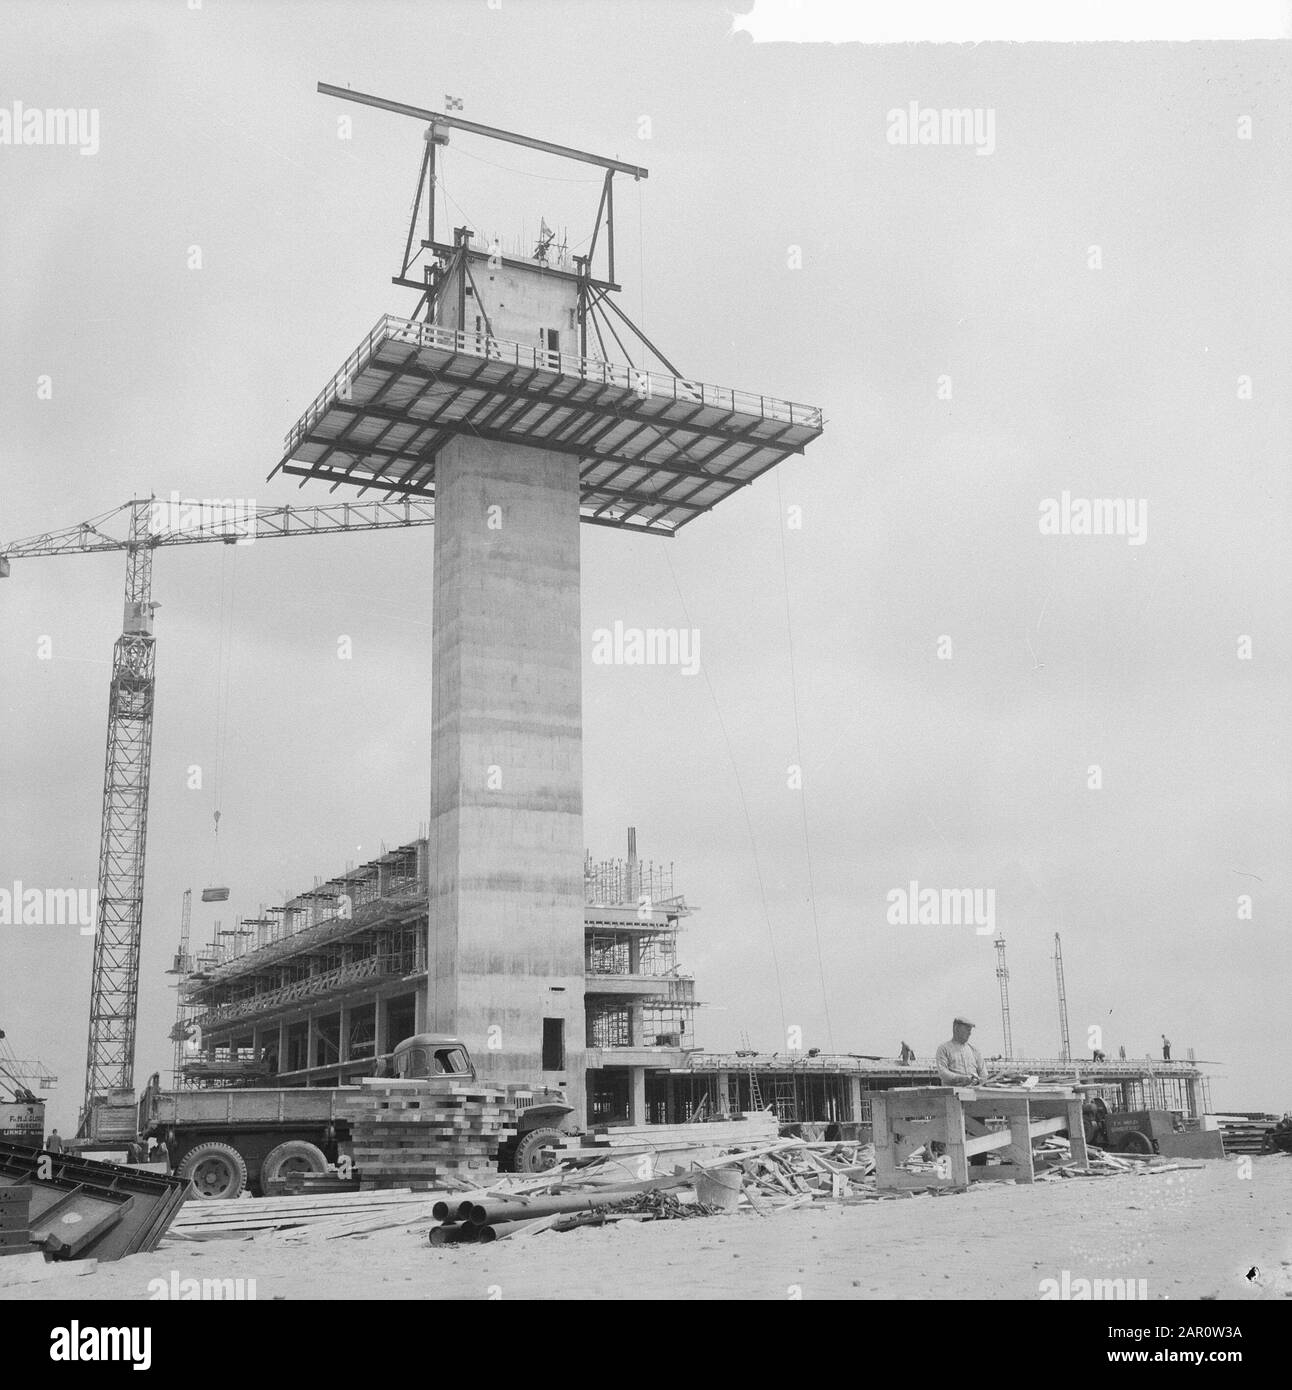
x,y
1075,310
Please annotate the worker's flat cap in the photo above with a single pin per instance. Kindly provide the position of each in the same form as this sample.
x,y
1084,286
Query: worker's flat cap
x,y
968,1022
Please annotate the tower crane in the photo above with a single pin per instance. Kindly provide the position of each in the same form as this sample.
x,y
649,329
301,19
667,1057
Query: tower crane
x,y
1002,974
23,1074
182,967
1065,1046
149,524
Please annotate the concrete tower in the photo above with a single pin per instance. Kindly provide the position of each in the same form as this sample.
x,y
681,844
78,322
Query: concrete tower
x,y
506,837
495,404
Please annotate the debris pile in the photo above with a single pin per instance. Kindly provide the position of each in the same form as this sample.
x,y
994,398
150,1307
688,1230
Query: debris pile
x,y
602,1185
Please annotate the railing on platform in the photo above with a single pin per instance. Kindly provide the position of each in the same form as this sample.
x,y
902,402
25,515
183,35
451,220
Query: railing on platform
x,y
646,384
1044,1066
314,986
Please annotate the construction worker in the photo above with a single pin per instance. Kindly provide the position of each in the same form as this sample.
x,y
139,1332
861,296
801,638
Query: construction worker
x,y
908,1055
959,1062
1166,1048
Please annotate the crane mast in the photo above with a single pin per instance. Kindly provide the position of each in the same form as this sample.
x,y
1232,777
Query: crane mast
x,y
114,979
1065,1045
182,967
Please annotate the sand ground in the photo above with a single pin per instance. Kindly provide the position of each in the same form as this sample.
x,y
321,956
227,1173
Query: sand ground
x,y
1189,1234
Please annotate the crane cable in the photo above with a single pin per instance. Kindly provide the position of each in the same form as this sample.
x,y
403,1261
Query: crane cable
x,y
798,757
223,690
744,804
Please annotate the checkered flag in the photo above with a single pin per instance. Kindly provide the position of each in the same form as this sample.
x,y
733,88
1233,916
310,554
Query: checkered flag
x,y
453,103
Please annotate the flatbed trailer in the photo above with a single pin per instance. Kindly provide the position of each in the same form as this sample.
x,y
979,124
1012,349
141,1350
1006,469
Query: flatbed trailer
x,y
232,1138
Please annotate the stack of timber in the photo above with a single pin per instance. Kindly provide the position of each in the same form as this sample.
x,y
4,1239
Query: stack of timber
x,y
251,1216
752,1127
1245,1133
310,1185
423,1134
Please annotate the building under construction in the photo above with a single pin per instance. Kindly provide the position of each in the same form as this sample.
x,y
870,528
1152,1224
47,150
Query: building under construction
x,y
314,991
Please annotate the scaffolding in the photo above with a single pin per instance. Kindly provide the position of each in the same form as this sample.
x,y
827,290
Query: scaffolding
x,y
624,882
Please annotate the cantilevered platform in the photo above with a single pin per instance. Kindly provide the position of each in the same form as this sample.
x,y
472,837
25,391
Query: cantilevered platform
x,y
656,450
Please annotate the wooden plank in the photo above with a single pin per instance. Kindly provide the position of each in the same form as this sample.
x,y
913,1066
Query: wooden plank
x,y
988,1143
955,1138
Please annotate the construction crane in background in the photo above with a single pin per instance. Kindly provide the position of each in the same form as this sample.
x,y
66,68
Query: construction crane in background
x,y
1065,1045
23,1074
148,525
1002,974
182,967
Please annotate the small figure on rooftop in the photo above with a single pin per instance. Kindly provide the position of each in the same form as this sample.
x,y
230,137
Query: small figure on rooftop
x,y
1166,1048
907,1055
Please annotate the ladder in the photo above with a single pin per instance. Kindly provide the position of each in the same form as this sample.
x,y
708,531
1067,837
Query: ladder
x,y
755,1095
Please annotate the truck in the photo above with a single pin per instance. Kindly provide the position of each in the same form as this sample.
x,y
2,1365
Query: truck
x,y
22,1111
1161,1132
231,1139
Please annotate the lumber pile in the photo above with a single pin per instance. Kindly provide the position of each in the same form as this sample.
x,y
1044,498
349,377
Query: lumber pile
x,y
206,1220
1056,1152
752,1127
309,1185
775,1174
779,1173
793,1172
1245,1134
420,1134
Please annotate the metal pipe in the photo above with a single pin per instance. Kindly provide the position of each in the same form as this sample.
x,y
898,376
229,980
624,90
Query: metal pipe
x,y
454,1235
495,1213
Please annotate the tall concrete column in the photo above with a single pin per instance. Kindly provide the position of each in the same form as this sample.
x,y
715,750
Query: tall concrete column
x,y
1194,1093
854,1097
636,1095
380,1021
506,840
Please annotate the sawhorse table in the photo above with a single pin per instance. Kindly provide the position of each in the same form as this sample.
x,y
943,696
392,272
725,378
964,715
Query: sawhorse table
x,y
908,1118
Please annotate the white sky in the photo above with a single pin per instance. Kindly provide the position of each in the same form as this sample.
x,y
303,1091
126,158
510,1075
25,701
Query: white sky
x,y
919,513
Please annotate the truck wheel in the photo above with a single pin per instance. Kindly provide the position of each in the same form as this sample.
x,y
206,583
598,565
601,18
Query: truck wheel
x,y
1136,1142
295,1156
214,1171
535,1151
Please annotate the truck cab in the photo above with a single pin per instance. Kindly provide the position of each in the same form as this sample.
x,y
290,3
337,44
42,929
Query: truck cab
x,y
427,1055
